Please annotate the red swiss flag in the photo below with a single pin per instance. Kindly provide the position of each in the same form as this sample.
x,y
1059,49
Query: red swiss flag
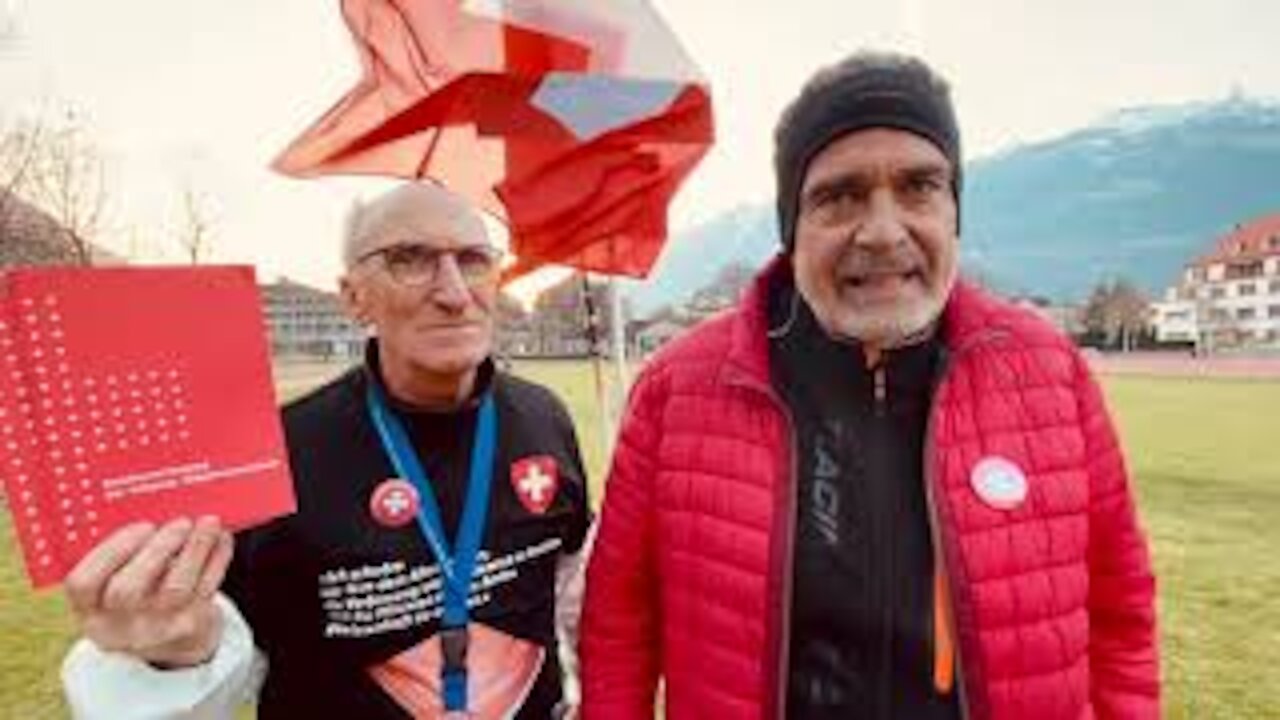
x,y
575,121
536,480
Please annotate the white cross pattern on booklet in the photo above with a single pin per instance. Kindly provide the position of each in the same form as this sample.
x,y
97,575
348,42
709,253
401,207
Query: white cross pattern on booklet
x,y
67,419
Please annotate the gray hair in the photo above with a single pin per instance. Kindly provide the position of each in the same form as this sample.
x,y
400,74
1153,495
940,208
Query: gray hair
x,y
375,223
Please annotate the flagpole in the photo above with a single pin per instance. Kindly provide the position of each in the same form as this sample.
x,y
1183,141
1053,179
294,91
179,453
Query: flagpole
x,y
619,327
593,348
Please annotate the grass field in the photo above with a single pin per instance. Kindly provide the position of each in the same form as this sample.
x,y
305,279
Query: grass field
x,y
1206,456
1207,464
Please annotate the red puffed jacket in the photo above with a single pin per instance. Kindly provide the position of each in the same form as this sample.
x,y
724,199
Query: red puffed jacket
x,y
1045,599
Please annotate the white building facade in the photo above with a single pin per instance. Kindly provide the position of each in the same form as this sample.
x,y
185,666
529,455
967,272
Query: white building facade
x,y
1230,297
307,322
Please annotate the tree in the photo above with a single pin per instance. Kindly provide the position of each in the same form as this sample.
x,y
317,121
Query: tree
x,y
195,231
28,234
1117,312
561,316
68,181
19,152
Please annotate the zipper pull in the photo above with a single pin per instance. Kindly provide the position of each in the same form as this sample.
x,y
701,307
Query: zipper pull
x,y
882,390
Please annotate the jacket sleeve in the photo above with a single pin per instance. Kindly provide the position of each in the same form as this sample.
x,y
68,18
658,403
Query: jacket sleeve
x,y
620,632
114,686
1123,657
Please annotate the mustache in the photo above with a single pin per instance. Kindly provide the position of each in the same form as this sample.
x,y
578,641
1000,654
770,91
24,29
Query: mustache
x,y
861,264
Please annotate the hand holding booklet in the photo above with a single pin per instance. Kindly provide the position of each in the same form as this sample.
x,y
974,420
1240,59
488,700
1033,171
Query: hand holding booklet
x,y
132,394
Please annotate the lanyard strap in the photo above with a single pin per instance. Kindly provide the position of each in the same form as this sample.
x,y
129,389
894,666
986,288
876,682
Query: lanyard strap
x,y
456,566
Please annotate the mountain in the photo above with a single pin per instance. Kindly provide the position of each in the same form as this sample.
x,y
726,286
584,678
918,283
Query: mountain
x,y
1136,195
692,259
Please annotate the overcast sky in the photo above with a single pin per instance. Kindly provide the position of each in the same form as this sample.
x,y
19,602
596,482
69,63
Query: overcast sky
x,y
208,92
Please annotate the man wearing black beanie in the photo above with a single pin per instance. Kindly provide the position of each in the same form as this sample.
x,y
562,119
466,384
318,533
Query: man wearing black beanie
x,y
872,490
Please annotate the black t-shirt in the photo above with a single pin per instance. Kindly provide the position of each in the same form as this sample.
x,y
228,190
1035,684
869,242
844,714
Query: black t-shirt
x,y
347,607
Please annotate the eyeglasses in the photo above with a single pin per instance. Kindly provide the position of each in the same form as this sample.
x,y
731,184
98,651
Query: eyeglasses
x,y
418,264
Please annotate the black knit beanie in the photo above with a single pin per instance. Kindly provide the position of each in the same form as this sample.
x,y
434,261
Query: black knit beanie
x,y
866,90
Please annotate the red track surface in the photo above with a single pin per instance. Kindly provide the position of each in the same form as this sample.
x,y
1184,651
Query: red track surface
x,y
1183,365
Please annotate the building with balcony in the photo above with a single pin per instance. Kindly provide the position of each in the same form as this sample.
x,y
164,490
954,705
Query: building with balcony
x,y
1230,296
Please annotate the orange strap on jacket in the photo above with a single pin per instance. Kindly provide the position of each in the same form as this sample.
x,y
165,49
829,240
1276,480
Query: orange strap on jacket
x,y
944,652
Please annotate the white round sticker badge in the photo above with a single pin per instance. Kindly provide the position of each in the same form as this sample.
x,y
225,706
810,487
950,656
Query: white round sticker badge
x,y
999,483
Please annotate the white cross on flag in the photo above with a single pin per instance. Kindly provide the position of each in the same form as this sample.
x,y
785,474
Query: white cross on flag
x,y
536,481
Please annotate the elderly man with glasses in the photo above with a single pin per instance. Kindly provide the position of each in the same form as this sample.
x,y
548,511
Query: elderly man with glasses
x,y
432,567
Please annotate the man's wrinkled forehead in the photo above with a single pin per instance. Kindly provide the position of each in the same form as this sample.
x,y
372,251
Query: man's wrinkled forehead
x,y
877,154
418,213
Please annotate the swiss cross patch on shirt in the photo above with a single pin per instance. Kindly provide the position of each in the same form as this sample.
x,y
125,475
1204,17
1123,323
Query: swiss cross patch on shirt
x,y
536,480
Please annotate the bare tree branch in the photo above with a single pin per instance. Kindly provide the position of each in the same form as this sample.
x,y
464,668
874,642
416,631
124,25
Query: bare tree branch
x,y
19,151
1117,311
196,231
68,181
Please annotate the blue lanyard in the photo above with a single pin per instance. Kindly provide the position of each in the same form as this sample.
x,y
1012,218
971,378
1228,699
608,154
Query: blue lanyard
x,y
456,567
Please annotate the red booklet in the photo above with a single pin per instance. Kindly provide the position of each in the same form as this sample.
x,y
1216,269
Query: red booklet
x,y
133,394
